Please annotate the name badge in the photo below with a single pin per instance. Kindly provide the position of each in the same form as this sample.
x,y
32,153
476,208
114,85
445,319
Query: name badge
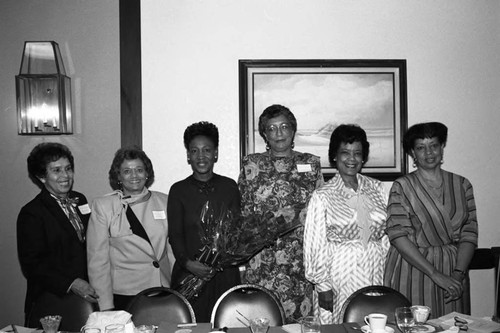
x,y
84,209
304,167
159,214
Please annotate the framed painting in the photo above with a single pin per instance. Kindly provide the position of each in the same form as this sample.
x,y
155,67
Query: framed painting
x,y
323,94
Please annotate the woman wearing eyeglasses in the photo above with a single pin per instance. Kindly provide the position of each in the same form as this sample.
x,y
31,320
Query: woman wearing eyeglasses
x,y
280,180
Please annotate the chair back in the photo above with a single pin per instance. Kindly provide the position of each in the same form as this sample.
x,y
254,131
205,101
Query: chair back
x,y
73,309
373,299
251,301
157,304
489,258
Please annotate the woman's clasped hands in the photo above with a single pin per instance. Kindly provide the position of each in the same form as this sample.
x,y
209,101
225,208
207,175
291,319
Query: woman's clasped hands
x,y
453,288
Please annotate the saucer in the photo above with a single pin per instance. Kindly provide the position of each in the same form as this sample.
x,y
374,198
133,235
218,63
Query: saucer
x,y
366,329
426,329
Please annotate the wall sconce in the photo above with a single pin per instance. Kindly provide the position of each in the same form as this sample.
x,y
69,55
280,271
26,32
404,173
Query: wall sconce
x,y
43,91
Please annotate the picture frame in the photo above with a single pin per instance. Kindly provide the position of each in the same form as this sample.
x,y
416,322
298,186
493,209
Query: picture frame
x,y
323,94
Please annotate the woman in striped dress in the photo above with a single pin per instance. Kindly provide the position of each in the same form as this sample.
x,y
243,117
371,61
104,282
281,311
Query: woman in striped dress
x,y
432,227
344,242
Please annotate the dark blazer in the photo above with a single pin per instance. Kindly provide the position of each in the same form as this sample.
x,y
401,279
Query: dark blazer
x,y
50,253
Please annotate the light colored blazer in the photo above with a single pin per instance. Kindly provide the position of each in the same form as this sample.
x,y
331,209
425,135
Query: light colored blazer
x,y
120,262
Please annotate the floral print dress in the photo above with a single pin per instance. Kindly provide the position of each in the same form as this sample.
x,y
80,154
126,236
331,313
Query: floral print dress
x,y
281,185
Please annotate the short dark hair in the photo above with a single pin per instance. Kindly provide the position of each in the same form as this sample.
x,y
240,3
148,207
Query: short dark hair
x,y
42,155
347,133
274,111
129,153
203,128
422,131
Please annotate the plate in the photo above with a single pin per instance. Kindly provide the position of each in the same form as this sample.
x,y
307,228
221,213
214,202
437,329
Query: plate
x,y
426,328
367,329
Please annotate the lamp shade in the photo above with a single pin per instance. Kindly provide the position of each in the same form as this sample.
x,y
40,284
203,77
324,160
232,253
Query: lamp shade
x,y
43,91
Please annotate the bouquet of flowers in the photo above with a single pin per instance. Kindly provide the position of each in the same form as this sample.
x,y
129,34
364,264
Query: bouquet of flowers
x,y
230,239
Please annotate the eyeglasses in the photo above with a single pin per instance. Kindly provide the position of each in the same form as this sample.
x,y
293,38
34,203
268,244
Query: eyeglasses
x,y
285,127
461,324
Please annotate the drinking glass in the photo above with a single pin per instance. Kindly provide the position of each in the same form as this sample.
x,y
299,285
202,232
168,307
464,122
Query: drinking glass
x,y
259,325
50,324
87,329
404,319
310,324
420,313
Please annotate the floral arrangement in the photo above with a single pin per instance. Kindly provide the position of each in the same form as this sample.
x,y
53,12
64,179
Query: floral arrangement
x,y
231,239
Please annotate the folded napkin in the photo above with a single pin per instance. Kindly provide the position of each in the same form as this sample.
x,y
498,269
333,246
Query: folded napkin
x,y
104,318
292,328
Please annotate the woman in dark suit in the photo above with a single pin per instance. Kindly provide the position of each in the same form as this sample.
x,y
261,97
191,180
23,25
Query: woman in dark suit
x,y
51,228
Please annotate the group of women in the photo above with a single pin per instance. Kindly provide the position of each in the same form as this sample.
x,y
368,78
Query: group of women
x,y
419,239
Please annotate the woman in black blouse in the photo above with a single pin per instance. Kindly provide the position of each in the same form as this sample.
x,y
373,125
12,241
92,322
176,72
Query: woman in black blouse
x,y
185,201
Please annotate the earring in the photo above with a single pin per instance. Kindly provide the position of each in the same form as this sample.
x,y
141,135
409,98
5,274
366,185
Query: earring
x,y
267,146
293,145
414,163
442,160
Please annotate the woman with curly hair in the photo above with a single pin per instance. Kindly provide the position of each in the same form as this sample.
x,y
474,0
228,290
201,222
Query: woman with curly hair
x,y
344,241
185,202
432,226
280,180
127,243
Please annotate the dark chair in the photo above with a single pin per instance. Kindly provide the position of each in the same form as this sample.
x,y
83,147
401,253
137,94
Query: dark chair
x,y
73,309
157,304
251,301
379,299
489,259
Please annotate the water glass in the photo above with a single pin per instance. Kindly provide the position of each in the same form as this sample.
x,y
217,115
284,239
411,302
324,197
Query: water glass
x,y
421,314
259,325
404,319
50,324
90,330
310,324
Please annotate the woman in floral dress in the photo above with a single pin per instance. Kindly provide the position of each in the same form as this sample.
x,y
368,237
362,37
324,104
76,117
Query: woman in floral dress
x,y
280,180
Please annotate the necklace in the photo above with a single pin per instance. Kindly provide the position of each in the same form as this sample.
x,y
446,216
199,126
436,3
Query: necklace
x,y
434,187
431,182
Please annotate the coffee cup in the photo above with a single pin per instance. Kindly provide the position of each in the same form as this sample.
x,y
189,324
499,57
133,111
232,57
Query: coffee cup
x,y
376,322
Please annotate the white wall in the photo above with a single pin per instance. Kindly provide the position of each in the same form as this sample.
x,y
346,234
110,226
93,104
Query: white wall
x,y
87,34
191,48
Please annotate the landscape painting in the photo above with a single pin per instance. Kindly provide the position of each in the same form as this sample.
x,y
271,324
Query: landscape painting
x,y
324,95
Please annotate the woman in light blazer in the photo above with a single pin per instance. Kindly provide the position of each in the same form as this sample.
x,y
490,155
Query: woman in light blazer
x,y
127,237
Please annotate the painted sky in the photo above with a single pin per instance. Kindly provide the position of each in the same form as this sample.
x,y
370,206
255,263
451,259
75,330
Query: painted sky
x,y
316,99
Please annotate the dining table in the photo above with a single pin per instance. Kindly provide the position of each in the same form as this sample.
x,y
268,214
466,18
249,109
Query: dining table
x,y
166,327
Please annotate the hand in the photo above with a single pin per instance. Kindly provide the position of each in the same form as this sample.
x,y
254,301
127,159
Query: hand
x,y
325,300
453,288
83,289
200,270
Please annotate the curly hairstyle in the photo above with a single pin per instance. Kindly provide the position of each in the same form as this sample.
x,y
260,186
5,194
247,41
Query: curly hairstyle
x,y
423,131
347,133
42,155
203,128
129,153
274,111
